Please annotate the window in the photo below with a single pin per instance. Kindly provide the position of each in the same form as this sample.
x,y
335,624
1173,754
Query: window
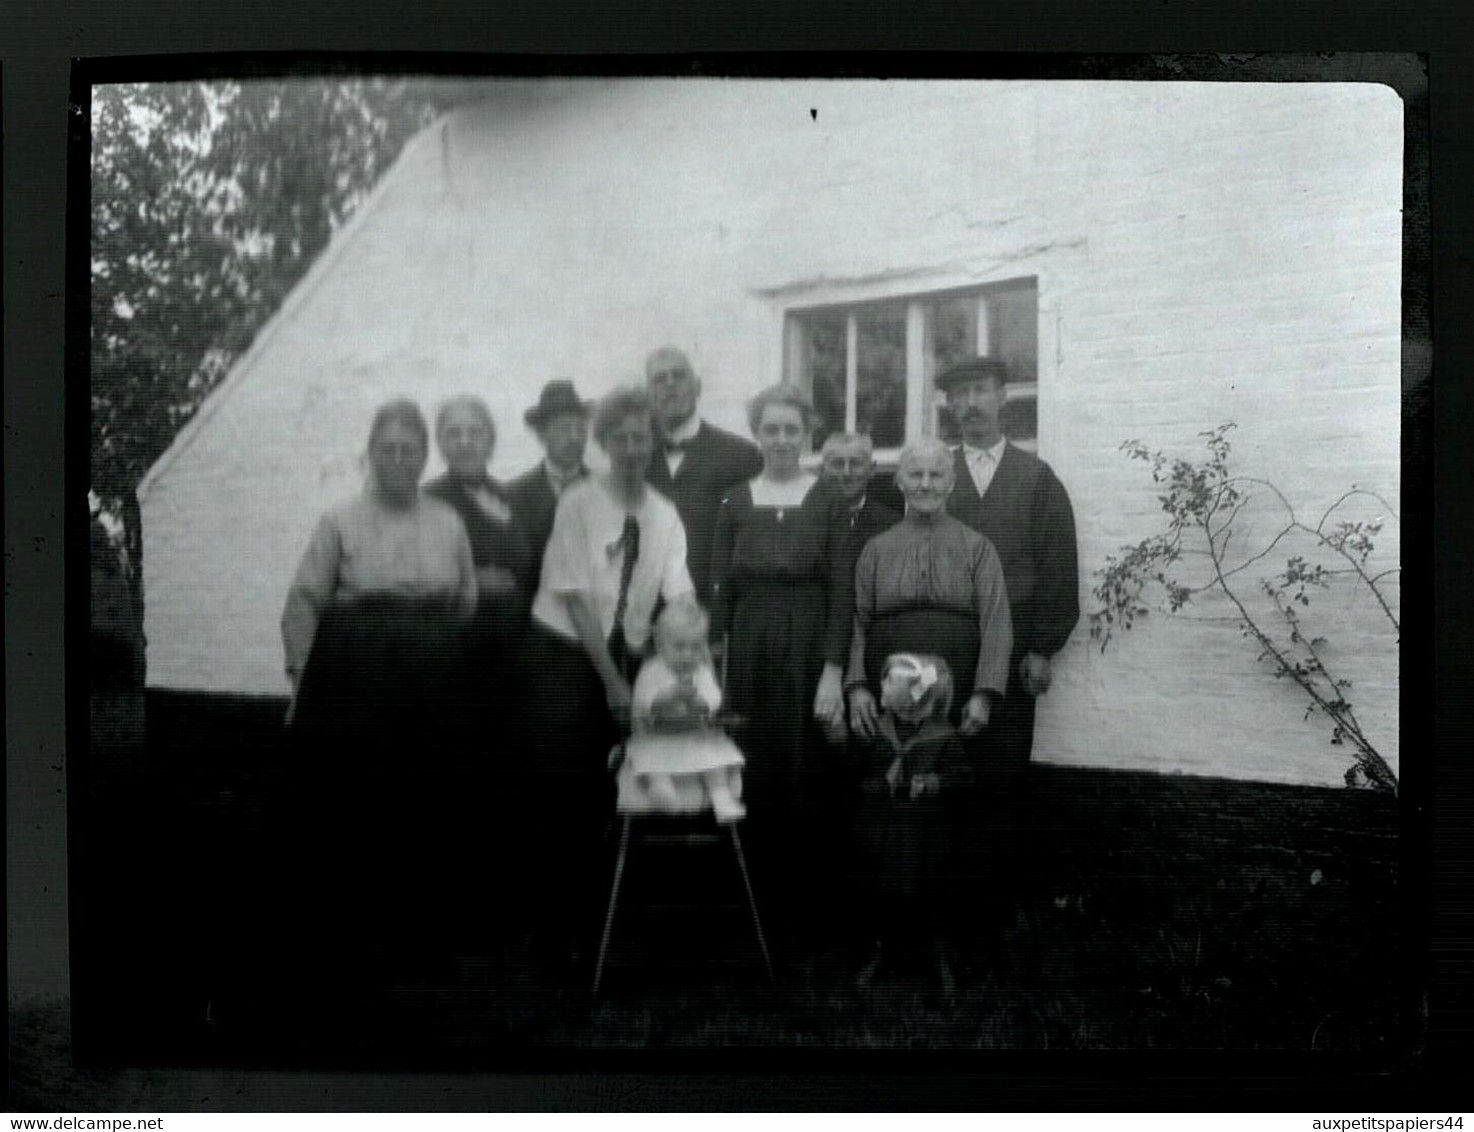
x,y
869,366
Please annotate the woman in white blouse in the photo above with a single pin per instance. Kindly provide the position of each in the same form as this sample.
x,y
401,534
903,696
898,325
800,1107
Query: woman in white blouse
x,y
617,548
371,632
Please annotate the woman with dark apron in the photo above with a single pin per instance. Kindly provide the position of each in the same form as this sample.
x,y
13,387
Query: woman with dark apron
x,y
931,584
372,635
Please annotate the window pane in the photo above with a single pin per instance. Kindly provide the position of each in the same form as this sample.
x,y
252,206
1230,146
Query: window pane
x,y
880,402
947,429
954,332
824,364
1013,331
1012,334
1020,418
999,320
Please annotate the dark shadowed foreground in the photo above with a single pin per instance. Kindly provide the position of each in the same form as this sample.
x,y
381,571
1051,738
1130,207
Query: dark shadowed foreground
x,y
1158,914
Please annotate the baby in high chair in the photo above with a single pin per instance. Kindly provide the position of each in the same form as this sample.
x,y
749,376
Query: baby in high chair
x,y
677,760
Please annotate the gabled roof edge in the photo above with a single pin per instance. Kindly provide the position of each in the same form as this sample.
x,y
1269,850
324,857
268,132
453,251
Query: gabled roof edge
x,y
325,263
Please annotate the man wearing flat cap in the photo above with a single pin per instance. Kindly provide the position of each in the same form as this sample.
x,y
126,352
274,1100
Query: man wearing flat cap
x,y
1013,499
695,462
561,420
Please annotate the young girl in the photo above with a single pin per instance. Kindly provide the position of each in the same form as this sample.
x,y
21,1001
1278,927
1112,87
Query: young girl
x,y
914,769
677,761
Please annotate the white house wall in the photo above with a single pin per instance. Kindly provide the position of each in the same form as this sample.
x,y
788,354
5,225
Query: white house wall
x,y
1205,253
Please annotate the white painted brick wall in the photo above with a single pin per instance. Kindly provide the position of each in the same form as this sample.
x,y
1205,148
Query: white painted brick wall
x,y
1204,253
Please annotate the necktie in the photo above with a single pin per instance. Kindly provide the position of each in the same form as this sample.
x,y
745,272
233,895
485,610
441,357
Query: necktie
x,y
629,538
677,445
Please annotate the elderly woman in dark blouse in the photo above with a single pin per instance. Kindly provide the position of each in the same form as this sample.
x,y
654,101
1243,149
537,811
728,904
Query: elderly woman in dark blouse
x,y
500,550
930,584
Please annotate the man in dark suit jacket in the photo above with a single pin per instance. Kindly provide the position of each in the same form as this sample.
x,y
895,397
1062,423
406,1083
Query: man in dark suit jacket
x,y
561,421
695,463
847,460
1014,500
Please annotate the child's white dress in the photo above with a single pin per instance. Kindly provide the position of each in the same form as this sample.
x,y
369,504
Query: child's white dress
x,y
674,745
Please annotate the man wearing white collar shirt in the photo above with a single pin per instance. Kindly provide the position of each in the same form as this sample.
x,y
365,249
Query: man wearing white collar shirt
x,y
982,463
695,462
1013,499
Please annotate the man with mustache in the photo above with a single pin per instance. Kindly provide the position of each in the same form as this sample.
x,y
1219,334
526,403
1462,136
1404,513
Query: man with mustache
x,y
1013,499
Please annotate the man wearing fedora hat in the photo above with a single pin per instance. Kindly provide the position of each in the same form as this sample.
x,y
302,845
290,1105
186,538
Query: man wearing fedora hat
x,y
1013,499
695,462
561,420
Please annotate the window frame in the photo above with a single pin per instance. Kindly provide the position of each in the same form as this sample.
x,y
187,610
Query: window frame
x,y
923,400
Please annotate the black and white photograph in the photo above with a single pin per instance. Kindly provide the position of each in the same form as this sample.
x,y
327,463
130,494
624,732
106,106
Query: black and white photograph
x,y
592,562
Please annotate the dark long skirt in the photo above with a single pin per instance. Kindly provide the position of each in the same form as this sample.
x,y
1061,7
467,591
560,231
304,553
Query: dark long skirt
x,y
795,831
376,822
564,792
774,661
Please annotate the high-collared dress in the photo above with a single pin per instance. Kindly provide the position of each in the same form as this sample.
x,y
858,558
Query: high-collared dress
x,y
932,585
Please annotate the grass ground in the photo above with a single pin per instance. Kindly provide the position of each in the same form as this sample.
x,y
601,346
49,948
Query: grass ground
x,y
1158,915
1065,978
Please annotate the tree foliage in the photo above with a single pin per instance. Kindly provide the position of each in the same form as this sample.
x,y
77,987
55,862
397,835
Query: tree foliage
x,y
1194,554
209,202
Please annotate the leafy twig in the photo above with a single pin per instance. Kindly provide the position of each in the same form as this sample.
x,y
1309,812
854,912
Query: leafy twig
x,y
1203,503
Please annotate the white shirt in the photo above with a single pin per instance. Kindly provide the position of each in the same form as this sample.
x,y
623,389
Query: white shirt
x,y
675,457
983,462
586,555
561,481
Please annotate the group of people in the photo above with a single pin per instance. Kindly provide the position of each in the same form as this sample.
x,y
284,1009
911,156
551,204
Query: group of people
x,y
464,656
